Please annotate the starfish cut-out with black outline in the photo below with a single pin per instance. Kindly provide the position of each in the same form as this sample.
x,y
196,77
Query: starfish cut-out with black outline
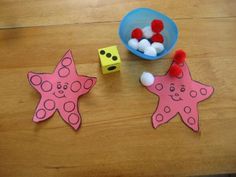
x,y
180,95
60,91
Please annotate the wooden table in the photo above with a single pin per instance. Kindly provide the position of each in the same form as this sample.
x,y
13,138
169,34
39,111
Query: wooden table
x,y
116,137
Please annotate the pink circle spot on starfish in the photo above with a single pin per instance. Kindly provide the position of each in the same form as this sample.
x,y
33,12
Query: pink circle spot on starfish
x,y
73,118
88,83
167,109
159,86
187,109
66,61
203,91
46,86
41,113
75,86
191,121
159,117
193,93
63,72
69,106
49,104
36,80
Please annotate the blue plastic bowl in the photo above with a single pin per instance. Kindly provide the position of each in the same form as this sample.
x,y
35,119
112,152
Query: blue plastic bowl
x,y
142,17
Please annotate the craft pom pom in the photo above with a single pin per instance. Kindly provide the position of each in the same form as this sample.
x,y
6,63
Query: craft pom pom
x,y
150,51
157,26
157,38
147,32
147,79
137,33
133,43
143,44
175,70
179,56
158,46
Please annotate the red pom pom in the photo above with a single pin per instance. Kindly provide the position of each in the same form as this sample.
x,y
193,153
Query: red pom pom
x,y
157,38
175,70
137,33
157,26
179,56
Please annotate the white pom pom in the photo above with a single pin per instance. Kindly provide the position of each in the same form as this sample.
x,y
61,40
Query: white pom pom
x,y
158,46
147,32
143,44
150,51
133,43
147,79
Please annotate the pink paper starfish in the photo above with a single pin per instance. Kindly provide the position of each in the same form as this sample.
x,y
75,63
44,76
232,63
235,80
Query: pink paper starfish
x,y
60,91
177,95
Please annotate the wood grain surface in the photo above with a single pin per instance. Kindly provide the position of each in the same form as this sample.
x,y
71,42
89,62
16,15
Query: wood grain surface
x,y
116,137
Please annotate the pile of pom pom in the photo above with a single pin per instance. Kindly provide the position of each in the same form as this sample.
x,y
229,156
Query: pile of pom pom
x,y
148,40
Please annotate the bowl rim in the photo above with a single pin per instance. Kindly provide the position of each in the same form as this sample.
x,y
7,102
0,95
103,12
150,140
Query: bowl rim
x,y
140,54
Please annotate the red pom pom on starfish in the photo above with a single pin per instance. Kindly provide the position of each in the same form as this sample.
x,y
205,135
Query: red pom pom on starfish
x,y
175,70
157,26
179,56
137,33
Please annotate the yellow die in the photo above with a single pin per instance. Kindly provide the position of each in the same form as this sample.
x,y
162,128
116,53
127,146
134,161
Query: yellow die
x,y
110,59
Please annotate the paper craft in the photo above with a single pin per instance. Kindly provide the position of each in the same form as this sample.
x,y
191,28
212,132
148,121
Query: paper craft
x,y
60,91
178,95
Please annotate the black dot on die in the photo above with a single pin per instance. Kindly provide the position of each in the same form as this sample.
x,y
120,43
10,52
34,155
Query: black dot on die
x,y
102,52
108,55
110,68
114,58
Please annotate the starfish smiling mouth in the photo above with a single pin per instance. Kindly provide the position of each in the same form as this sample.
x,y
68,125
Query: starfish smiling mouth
x,y
58,96
172,97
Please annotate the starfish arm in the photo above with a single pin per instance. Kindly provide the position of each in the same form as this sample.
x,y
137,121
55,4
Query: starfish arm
x,y
70,114
157,86
39,81
87,84
45,109
202,91
189,115
35,80
162,114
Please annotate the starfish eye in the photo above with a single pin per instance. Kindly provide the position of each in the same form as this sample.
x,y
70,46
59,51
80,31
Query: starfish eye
x,y
182,89
59,86
65,87
172,88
